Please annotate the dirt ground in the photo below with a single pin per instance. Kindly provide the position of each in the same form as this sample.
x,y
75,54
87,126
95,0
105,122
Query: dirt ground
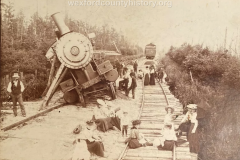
x,y
50,137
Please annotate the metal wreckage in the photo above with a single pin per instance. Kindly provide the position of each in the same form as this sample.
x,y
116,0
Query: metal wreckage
x,y
80,71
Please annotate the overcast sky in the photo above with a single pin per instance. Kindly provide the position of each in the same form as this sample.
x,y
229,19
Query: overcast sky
x,y
191,21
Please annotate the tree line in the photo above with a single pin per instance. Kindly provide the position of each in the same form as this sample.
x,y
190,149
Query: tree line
x,y
210,79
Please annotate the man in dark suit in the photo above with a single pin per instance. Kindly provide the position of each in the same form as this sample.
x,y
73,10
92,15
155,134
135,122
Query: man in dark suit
x,y
133,85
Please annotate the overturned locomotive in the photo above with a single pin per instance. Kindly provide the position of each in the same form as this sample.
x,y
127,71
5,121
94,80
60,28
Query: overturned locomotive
x,y
78,74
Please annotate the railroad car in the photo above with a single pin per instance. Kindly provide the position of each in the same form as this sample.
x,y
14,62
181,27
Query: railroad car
x,y
150,51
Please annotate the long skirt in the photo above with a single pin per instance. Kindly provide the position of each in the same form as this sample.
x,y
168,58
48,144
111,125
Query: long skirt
x,y
146,79
168,145
104,124
152,79
184,127
134,143
96,148
116,122
193,139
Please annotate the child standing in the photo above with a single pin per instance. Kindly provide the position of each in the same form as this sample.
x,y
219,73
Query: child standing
x,y
124,122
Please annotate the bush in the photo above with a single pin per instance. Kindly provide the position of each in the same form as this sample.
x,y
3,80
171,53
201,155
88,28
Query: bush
x,y
216,82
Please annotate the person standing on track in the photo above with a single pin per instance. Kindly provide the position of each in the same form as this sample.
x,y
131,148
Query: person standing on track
x,y
160,75
146,76
164,76
133,85
152,75
15,88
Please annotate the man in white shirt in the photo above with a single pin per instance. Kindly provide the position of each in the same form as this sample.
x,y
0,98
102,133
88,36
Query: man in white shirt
x,y
15,88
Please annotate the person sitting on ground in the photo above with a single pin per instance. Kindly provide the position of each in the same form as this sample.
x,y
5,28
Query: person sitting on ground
x,y
101,118
136,139
112,111
169,116
93,141
185,123
104,117
168,139
133,86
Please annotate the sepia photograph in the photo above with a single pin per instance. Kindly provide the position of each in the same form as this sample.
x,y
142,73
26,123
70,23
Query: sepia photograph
x,y
120,80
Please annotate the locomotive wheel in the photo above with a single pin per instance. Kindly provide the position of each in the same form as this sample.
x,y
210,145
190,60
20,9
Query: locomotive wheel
x,y
113,91
71,96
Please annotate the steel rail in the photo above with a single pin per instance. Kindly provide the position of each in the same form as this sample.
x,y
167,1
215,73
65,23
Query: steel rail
x,y
140,112
31,117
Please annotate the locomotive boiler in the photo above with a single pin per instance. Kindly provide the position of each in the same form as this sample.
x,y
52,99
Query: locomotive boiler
x,y
79,74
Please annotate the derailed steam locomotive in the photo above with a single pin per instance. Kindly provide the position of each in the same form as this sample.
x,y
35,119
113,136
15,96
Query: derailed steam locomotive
x,y
78,75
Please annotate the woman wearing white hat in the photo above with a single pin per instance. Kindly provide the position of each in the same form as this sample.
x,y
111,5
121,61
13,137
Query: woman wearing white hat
x,y
189,124
15,88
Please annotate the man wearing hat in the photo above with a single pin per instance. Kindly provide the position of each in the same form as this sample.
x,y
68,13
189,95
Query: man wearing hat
x,y
15,88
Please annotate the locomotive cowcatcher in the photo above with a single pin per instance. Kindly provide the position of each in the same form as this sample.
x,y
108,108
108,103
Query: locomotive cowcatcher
x,y
78,74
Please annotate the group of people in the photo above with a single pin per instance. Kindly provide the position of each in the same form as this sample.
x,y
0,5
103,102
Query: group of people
x,y
161,74
149,78
123,84
105,117
189,124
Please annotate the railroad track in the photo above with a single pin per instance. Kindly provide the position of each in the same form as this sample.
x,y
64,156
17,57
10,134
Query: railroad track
x,y
152,113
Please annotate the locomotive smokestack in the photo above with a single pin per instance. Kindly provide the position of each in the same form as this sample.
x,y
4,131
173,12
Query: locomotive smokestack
x,y
59,21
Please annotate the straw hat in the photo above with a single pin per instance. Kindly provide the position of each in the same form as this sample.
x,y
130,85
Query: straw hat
x,y
192,106
15,75
171,107
78,129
